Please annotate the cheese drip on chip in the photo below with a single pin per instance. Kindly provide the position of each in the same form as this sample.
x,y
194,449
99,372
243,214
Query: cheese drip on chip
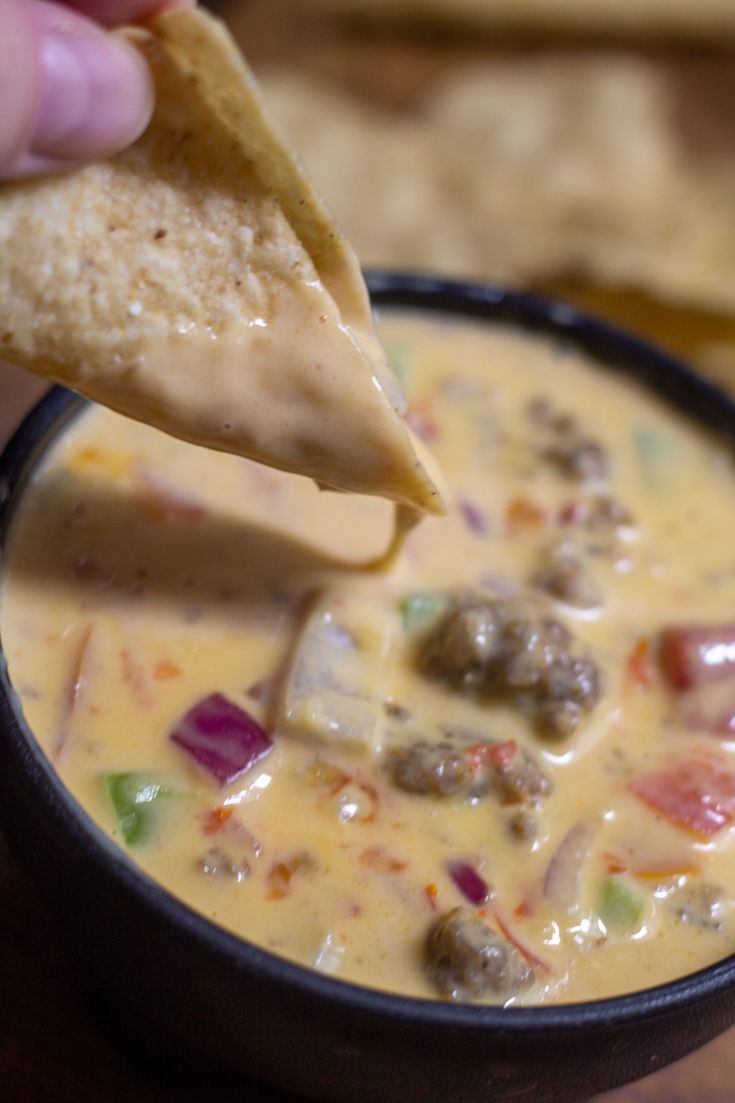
x,y
196,282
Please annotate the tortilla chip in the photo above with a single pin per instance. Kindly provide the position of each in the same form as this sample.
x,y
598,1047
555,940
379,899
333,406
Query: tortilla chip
x,y
196,281
707,20
562,166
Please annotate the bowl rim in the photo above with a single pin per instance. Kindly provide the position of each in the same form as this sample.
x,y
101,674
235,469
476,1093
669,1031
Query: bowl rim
x,y
468,299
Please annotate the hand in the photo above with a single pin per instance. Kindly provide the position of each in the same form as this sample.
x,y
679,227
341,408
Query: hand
x,y
69,92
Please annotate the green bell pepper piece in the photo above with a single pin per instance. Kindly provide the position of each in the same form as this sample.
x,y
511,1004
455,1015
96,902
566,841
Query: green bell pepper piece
x,y
397,354
419,611
656,454
133,796
620,906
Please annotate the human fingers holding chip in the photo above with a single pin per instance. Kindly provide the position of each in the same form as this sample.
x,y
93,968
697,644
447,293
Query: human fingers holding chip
x,y
68,91
114,12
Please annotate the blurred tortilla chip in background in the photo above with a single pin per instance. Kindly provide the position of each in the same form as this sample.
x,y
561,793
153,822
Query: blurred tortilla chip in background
x,y
523,171
707,20
579,162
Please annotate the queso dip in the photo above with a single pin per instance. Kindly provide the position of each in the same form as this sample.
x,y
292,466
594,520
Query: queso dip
x,y
502,771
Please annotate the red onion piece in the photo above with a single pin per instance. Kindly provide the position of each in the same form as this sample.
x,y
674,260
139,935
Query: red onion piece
x,y
469,882
473,517
75,683
564,871
419,419
221,738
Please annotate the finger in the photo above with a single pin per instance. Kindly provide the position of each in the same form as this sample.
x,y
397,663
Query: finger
x,y
19,81
115,12
95,96
90,95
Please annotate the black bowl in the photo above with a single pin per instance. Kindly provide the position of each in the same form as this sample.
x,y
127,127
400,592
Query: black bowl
x,y
286,1024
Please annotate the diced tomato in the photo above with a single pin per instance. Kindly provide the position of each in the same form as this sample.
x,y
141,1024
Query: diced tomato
x,y
215,819
500,755
281,874
695,655
368,813
573,513
613,864
378,859
134,674
165,670
279,880
325,775
640,666
697,794
525,952
522,513
667,870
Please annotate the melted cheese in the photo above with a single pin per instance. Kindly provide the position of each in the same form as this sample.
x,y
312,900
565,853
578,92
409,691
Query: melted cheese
x,y
143,574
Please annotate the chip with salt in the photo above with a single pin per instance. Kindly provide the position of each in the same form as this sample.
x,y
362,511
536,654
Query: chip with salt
x,y
196,281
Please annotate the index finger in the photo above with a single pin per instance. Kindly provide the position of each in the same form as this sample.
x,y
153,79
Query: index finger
x,y
115,12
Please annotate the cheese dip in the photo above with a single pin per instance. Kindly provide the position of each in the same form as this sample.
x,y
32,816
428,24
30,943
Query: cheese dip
x,y
503,771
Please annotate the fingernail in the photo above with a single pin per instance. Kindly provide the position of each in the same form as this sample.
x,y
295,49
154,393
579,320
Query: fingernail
x,y
96,96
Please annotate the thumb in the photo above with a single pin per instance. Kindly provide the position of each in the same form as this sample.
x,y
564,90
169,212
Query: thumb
x,y
68,92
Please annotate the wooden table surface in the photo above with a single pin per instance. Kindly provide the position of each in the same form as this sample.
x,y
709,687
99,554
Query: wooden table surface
x,y
55,1044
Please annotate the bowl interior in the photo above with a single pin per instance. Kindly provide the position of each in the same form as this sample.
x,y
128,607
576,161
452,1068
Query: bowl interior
x,y
701,401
